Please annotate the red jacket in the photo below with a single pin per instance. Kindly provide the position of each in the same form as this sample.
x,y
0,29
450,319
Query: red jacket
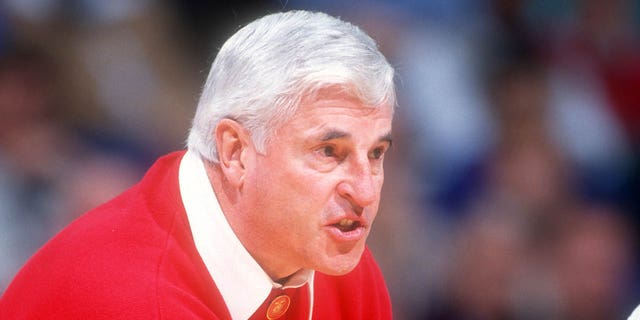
x,y
134,258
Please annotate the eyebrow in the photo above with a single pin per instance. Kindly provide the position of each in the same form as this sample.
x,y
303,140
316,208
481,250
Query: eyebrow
x,y
338,134
387,138
334,134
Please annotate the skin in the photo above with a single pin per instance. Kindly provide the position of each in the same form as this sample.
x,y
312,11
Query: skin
x,y
322,165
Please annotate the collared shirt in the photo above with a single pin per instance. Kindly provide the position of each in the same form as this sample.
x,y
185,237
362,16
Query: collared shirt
x,y
244,285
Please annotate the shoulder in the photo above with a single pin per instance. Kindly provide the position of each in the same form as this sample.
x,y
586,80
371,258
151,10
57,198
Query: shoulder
x,y
115,261
78,270
359,294
100,263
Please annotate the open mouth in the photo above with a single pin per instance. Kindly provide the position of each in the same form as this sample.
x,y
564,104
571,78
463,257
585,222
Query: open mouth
x,y
346,225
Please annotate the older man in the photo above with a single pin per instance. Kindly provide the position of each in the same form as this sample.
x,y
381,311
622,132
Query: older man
x,y
267,212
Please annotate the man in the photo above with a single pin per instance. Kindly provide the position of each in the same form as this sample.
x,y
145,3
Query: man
x,y
267,212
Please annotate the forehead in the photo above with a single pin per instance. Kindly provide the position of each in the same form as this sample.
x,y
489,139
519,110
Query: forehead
x,y
332,103
338,100
335,110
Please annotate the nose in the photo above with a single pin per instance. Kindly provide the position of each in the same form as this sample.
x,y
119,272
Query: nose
x,y
360,187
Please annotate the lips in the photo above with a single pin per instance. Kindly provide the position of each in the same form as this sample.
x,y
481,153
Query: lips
x,y
347,225
347,229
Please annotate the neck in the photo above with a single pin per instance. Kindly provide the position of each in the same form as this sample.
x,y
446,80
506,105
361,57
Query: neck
x,y
238,217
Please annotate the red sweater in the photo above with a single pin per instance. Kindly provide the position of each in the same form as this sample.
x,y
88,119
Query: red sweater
x,y
134,258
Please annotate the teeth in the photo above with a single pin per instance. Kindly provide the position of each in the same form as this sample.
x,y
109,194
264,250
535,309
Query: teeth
x,y
346,223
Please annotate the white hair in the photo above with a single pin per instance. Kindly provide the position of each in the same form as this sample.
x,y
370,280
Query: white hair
x,y
265,69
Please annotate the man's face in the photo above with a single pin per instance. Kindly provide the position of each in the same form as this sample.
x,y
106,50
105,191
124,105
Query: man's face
x,y
314,194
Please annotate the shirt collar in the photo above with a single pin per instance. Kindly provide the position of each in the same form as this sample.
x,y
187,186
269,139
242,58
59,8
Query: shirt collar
x,y
243,284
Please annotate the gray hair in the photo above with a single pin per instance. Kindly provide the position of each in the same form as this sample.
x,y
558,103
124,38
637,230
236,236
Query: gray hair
x,y
265,69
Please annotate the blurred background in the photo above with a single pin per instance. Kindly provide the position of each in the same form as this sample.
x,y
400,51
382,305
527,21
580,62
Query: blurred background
x,y
512,192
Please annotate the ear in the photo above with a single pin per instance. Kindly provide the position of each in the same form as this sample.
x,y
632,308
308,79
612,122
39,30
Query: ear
x,y
233,143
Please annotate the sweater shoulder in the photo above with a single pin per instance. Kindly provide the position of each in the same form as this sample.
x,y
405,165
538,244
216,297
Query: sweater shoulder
x,y
110,262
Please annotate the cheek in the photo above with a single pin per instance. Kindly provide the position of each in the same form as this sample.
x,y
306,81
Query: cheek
x,y
288,189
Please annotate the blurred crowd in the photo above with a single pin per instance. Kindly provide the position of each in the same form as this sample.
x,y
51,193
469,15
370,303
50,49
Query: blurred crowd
x,y
513,188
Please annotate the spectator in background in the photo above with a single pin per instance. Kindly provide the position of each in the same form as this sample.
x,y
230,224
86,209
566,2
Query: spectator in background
x,y
518,251
601,47
43,183
73,73
34,150
592,263
603,40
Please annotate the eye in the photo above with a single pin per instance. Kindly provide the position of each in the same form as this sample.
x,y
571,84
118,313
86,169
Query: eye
x,y
377,153
328,151
327,156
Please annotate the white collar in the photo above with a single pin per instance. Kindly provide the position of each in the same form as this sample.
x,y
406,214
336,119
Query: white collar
x,y
243,284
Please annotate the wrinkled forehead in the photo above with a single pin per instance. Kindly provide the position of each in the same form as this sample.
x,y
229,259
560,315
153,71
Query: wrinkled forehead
x,y
332,102
320,100
344,92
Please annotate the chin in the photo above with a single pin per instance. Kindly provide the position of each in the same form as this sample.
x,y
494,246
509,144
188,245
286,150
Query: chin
x,y
339,271
342,263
